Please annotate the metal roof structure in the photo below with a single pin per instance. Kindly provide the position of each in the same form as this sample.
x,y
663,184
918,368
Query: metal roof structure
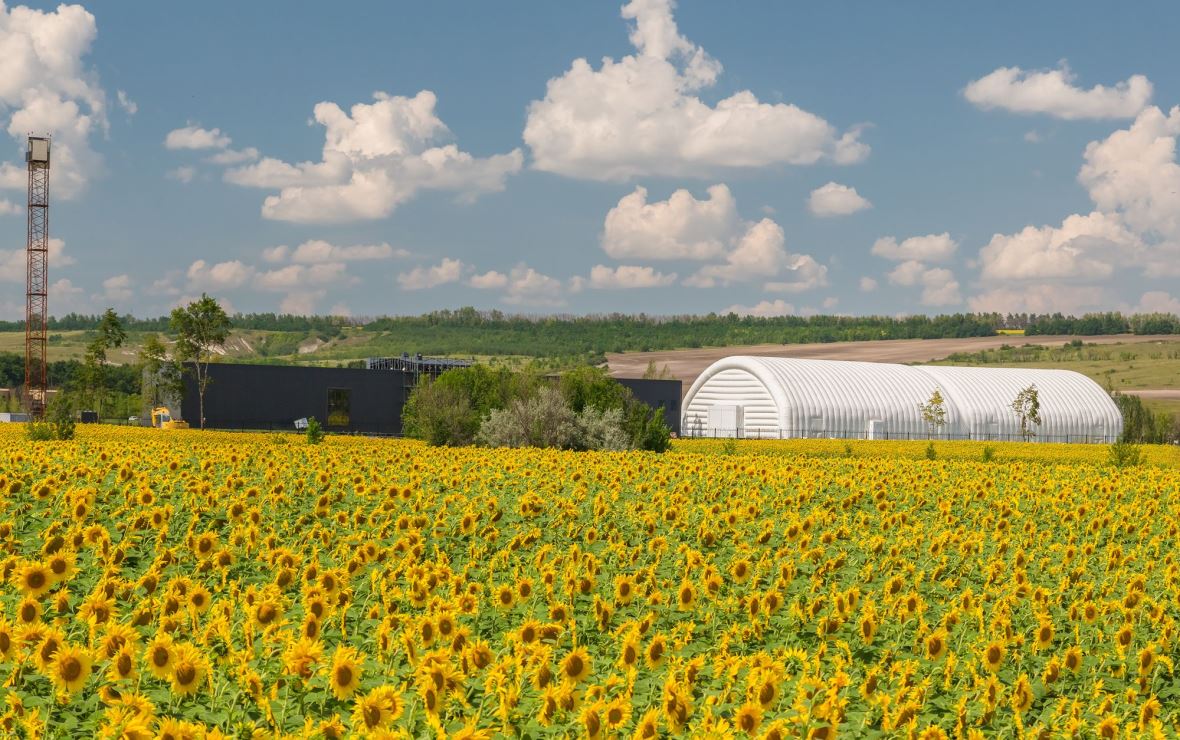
x,y
785,397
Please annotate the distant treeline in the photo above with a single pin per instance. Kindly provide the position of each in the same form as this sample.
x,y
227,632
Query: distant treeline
x,y
63,373
471,332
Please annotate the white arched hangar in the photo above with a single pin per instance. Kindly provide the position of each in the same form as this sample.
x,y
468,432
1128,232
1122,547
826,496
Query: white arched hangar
x,y
779,397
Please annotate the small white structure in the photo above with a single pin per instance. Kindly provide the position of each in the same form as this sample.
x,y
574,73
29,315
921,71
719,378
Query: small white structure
x,y
781,397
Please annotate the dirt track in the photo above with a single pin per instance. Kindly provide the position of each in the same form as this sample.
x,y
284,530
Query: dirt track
x,y
687,364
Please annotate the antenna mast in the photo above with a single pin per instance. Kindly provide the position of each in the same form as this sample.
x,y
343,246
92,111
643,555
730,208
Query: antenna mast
x,y
37,289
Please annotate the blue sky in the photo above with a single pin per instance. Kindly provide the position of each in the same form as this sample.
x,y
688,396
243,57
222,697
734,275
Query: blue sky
x,y
763,157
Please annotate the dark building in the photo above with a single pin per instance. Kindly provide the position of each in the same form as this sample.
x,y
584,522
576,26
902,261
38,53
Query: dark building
x,y
658,394
343,399
274,396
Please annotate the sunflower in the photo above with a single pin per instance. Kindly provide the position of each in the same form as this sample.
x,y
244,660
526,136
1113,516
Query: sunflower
x,y
936,645
7,639
1044,636
629,655
122,667
624,589
868,626
33,579
648,726
28,611
188,670
380,707
617,712
993,655
1073,659
657,652
1149,712
301,657
1022,695
51,642
70,668
160,655
1146,661
686,596
61,565
748,717
576,665
344,674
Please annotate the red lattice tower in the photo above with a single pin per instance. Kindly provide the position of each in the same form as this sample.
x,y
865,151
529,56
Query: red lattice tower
x,y
37,289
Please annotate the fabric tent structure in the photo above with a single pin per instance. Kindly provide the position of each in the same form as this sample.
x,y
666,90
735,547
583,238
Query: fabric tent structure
x,y
780,397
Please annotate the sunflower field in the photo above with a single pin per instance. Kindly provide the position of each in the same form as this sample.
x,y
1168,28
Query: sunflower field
x,y
202,585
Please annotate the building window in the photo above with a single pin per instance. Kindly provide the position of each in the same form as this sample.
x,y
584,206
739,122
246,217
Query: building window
x,y
339,407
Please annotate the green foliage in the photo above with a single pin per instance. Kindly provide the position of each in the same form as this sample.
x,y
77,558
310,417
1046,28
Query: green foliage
x,y
315,432
989,453
592,387
931,453
1140,425
1124,454
729,446
61,415
646,428
39,431
1027,406
934,412
449,409
199,327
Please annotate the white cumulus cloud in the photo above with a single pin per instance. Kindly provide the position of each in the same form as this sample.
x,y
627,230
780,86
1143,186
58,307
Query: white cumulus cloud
x,y
868,284
490,280
628,276
928,248
46,88
1053,92
777,307
220,276
680,227
117,288
448,270
642,115
318,250
939,287
375,157
835,199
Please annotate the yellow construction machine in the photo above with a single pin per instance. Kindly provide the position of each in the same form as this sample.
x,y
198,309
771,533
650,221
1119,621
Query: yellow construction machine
x,y
162,419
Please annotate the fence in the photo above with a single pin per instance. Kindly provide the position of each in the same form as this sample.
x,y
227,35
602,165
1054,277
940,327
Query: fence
x,y
702,431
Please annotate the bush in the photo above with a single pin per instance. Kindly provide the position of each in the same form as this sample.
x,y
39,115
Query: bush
x,y
61,417
646,428
989,453
931,453
545,420
315,432
450,409
39,431
601,430
1124,454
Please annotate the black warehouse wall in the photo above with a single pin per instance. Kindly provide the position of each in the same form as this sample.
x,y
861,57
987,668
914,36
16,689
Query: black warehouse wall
x,y
657,393
274,396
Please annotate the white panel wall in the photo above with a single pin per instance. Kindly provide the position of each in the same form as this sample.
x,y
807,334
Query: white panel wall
x,y
784,397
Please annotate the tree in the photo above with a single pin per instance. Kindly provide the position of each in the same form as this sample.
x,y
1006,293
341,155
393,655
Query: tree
x,y
109,335
200,326
1027,405
654,373
934,412
163,380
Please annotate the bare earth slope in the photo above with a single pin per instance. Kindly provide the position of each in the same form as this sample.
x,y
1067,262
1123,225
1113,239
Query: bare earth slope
x,y
687,364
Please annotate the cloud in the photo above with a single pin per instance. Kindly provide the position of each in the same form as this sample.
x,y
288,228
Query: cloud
x,y
375,157
221,276
340,309
681,227
1041,298
420,278
46,88
628,276
867,284
939,287
1082,248
14,262
126,103
777,307
117,288
182,174
8,208
685,228
317,250
490,280
300,304
834,199
296,277
195,137
1053,93
1158,301
276,254
527,287
642,115
929,248
1134,173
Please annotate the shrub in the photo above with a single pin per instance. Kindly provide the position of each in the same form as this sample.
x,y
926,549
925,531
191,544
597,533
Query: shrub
x,y
601,430
39,431
315,432
1124,454
545,420
440,415
989,453
931,453
61,417
646,428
